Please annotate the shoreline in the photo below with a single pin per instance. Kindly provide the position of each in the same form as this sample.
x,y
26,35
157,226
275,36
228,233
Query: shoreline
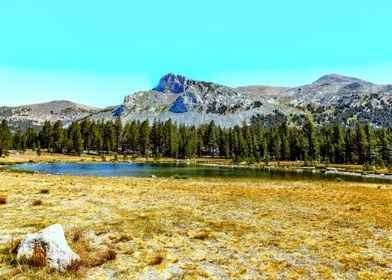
x,y
285,168
305,168
338,169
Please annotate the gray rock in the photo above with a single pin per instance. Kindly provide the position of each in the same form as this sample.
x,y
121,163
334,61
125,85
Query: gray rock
x,y
51,243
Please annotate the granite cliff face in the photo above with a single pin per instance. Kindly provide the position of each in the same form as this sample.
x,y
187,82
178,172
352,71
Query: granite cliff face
x,y
193,102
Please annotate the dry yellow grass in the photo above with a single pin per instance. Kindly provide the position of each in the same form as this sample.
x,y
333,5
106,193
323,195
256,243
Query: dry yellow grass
x,y
205,228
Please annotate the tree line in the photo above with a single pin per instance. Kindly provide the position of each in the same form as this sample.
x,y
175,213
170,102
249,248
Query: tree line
x,y
361,144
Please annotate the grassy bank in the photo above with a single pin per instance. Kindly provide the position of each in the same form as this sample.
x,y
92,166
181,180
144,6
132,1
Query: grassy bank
x,y
133,228
31,156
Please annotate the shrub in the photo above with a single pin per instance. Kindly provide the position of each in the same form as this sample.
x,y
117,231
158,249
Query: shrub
x,y
367,166
3,199
250,160
44,191
74,266
178,176
37,202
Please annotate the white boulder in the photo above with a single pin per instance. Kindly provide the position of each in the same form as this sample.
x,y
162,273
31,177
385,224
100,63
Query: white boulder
x,y
51,245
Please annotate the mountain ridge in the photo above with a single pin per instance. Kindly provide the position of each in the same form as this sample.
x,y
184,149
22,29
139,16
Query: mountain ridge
x,y
34,115
192,102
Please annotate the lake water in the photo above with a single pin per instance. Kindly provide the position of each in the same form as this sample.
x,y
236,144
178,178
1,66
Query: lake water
x,y
169,170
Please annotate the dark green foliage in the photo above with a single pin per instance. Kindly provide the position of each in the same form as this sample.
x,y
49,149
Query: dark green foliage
x,y
247,143
5,138
45,135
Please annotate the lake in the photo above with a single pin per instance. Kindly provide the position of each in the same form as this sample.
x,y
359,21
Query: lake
x,y
183,170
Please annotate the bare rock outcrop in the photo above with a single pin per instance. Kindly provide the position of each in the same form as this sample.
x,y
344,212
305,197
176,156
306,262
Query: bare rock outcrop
x,y
47,247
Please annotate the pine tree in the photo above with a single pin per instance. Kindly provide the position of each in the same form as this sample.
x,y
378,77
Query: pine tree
x,y
385,147
5,138
156,139
360,144
85,129
109,137
349,147
338,143
57,137
45,136
144,138
96,138
371,151
134,135
309,133
211,137
75,139
31,138
275,145
118,127
17,141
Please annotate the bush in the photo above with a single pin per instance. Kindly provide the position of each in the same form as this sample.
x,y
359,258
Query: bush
x,y
367,166
237,160
177,176
37,202
251,160
3,199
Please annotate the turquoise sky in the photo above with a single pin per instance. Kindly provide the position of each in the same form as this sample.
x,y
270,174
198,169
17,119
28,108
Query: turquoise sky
x,y
96,52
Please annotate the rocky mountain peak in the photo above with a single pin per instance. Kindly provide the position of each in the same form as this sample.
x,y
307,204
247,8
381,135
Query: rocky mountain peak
x,y
174,83
333,79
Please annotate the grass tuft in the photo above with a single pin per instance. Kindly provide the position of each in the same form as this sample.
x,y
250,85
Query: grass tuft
x,y
90,256
8,252
155,258
74,266
44,191
201,235
21,170
38,259
101,257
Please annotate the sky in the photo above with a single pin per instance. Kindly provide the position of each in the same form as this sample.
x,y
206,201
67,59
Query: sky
x,y
95,52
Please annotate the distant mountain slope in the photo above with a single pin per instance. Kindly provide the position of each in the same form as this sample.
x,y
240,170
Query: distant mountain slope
x,y
193,102
344,98
262,90
35,115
